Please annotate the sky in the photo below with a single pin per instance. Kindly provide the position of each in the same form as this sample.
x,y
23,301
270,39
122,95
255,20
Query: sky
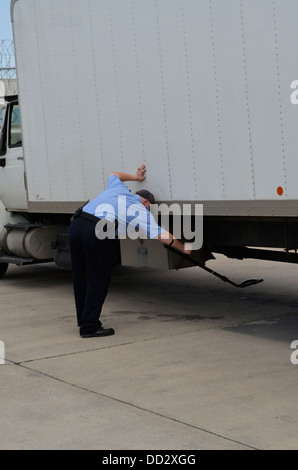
x,y
5,23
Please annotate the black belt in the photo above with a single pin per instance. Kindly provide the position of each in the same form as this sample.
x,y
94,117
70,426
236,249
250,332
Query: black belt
x,y
87,216
90,217
79,213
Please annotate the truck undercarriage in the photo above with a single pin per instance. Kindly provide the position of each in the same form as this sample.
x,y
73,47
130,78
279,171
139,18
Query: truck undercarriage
x,y
272,239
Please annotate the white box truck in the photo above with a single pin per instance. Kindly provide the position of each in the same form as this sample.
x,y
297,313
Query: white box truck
x,y
201,91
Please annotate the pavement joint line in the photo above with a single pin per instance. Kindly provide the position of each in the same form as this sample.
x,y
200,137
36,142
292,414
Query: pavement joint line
x,y
132,405
96,349
23,364
113,346
215,328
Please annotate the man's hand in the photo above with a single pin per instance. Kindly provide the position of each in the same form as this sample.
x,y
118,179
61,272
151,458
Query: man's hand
x,y
139,176
167,238
141,173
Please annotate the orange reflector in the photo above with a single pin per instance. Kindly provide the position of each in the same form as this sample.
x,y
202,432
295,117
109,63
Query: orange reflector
x,y
280,191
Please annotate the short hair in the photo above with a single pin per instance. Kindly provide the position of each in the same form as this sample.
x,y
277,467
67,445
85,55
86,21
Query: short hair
x,y
146,195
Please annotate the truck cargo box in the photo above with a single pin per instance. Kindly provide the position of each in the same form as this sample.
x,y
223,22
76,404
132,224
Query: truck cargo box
x,y
198,90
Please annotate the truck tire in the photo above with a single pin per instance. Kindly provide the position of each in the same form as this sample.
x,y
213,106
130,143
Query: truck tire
x,y
3,269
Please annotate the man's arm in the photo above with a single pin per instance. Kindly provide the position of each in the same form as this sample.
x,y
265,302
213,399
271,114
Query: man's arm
x,y
167,238
139,176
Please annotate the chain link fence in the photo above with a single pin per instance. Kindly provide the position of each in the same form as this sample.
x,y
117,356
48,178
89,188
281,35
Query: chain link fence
x,y
8,81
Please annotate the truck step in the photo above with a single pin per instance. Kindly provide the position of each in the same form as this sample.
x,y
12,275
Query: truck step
x,y
22,225
19,261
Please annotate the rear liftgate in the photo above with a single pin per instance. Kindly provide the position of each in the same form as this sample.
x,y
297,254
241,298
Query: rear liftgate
x,y
248,282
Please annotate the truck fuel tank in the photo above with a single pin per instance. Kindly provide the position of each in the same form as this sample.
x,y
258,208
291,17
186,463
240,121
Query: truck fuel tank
x,y
29,240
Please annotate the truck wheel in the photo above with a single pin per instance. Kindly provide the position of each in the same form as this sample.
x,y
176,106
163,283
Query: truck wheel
x,y
3,269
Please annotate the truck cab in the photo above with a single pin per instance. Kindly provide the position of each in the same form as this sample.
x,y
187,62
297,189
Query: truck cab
x,y
24,238
12,174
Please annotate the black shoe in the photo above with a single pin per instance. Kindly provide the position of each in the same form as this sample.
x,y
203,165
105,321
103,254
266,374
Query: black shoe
x,y
98,333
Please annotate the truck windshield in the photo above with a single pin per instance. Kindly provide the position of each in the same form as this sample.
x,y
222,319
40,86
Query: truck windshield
x,y
15,132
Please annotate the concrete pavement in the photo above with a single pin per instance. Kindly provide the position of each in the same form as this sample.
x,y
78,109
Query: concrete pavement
x,y
194,364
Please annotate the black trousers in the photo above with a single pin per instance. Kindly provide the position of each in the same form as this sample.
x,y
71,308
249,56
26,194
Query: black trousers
x,y
92,262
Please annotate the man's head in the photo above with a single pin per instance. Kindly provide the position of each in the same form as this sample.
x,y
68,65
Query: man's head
x,y
147,198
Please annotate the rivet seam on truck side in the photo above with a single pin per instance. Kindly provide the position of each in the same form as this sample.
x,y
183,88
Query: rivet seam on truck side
x,y
60,119
218,111
76,98
42,101
247,100
282,129
188,85
116,85
139,94
164,109
97,99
